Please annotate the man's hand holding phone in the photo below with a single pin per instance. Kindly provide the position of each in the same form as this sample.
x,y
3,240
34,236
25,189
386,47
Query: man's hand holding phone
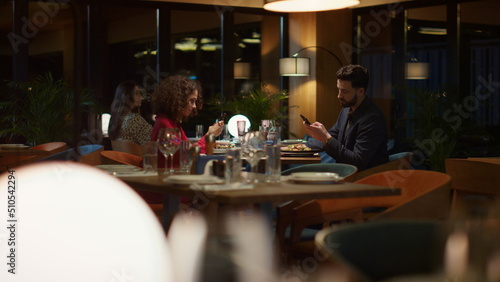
x,y
305,120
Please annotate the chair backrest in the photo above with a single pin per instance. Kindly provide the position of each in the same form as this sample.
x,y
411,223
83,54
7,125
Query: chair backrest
x,y
53,147
202,160
14,161
398,161
381,250
343,170
116,157
427,191
475,184
127,147
88,154
424,195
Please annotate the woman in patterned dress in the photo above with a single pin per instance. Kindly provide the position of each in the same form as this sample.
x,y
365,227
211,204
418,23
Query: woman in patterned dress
x,y
126,123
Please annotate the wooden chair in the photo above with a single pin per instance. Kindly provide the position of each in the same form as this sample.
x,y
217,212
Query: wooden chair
x,y
398,161
127,147
425,195
15,161
87,154
475,185
377,251
285,211
116,157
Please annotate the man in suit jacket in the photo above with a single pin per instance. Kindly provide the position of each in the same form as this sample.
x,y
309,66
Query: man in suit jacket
x,y
359,137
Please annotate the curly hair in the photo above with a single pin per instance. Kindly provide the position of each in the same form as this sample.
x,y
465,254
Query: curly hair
x,y
170,97
122,105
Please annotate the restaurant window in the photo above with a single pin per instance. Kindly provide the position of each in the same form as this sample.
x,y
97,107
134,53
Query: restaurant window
x,y
480,26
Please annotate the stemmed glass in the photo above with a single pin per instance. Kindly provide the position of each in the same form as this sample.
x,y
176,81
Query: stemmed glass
x,y
253,149
169,141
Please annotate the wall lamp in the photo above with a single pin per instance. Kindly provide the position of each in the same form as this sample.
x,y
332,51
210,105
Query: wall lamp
x,y
291,6
242,70
416,70
295,66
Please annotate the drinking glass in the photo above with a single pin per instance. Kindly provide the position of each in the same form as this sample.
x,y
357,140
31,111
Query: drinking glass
x,y
241,128
199,131
253,149
273,164
188,151
150,156
163,145
233,167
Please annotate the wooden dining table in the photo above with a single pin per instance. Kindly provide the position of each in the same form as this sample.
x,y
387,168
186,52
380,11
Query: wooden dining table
x,y
262,193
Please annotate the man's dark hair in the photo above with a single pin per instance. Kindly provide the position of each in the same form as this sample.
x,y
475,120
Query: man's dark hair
x,y
356,74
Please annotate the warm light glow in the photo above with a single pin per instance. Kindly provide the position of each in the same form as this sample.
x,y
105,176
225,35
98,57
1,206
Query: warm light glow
x,y
294,66
290,6
416,70
456,254
432,31
95,225
242,70
105,123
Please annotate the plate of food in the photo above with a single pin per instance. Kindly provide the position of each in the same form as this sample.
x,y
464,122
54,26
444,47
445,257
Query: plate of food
x,y
298,149
315,177
221,146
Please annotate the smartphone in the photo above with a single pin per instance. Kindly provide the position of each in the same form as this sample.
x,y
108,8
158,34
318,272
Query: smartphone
x,y
305,119
222,116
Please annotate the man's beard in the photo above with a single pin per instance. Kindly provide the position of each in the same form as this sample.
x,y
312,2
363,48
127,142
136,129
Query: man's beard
x,y
350,103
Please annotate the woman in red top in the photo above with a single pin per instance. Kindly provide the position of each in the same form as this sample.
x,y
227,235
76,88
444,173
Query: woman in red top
x,y
176,99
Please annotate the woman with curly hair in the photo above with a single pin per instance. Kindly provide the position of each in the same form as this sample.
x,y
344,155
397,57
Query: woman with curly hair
x,y
126,123
176,99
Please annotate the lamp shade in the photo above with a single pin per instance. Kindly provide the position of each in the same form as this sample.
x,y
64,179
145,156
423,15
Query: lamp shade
x,y
242,70
290,6
417,70
294,66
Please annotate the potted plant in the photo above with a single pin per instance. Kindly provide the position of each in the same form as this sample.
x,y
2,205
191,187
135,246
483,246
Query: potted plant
x,y
258,103
41,110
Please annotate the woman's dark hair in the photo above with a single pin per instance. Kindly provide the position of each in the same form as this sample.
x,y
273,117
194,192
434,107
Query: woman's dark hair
x,y
170,97
356,74
122,105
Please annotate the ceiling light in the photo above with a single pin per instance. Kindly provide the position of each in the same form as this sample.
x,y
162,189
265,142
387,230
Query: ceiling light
x,y
290,6
432,31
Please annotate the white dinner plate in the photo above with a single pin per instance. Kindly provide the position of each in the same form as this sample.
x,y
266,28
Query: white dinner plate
x,y
118,167
292,141
193,178
315,177
220,151
13,146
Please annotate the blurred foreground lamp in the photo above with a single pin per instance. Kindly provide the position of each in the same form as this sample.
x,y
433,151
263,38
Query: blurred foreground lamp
x,y
295,66
291,6
417,70
242,70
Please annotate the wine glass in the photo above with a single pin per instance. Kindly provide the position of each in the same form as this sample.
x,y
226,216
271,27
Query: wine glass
x,y
163,144
174,140
253,149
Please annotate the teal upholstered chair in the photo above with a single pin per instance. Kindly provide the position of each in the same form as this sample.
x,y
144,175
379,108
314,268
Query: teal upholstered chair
x,y
376,251
343,170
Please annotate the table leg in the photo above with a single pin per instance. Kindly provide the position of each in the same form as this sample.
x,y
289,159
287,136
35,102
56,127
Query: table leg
x,y
171,205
